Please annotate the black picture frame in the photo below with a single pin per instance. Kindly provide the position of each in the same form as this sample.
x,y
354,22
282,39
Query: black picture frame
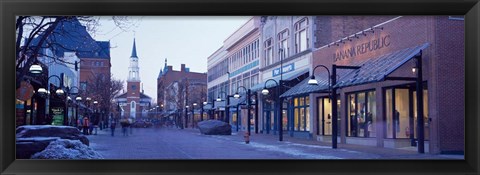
x,y
9,9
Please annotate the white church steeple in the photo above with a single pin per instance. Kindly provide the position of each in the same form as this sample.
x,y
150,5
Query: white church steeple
x,y
133,69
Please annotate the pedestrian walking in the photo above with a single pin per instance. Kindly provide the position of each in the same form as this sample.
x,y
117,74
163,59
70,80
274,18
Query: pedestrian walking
x,y
130,125
90,128
79,124
85,125
95,124
124,124
113,124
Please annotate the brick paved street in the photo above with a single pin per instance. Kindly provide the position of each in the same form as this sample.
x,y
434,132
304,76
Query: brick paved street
x,y
173,143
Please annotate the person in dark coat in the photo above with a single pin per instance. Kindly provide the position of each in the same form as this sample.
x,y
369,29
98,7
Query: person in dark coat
x,y
124,123
113,124
86,122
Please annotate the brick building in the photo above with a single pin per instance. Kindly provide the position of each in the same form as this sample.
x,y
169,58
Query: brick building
x,y
378,101
169,80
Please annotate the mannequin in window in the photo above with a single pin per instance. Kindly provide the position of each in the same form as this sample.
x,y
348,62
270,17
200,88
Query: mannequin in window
x,y
396,119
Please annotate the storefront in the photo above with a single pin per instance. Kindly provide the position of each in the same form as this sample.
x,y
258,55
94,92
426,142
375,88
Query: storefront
x,y
292,72
377,100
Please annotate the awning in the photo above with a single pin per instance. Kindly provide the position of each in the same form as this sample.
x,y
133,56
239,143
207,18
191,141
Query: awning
x,y
372,70
286,77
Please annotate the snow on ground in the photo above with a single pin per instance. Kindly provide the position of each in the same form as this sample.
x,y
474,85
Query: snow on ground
x,y
67,149
289,148
291,151
321,147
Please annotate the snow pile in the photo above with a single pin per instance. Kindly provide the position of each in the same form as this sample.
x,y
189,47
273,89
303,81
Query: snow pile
x,y
67,149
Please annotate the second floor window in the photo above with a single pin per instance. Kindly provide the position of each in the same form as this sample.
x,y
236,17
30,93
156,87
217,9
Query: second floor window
x,y
301,35
283,43
268,52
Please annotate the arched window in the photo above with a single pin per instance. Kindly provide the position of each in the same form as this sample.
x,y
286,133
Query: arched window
x,y
132,104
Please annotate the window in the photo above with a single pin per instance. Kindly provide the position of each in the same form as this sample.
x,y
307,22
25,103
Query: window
x,y
268,53
254,80
325,116
301,32
83,86
246,82
301,113
401,113
132,105
283,43
134,87
361,114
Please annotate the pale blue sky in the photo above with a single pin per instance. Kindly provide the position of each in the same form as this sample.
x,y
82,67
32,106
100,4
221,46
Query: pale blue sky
x,y
180,39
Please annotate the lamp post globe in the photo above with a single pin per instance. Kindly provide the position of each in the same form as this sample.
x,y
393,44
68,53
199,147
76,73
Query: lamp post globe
x,y
35,69
265,91
78,98
42,91
312,81
59,92
236,95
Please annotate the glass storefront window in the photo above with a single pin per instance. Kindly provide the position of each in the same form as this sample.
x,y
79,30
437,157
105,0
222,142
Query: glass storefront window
x,y
371,117
398,113
388,112
351,115
296,119
272,120
327,116
285,116
401,114
302,119
301,114
361,113
307,118
425,113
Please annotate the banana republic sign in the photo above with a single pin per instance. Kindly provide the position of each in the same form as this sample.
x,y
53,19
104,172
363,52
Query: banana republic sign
x,y
359,49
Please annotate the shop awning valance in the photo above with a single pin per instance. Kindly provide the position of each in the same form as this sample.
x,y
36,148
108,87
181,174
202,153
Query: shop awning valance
x,y
285,77
372,70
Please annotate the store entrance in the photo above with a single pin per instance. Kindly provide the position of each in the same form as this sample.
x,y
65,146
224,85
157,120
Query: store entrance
x,y
401,113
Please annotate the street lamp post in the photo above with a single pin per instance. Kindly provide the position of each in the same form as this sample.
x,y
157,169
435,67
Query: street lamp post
x,y
227,105
333,91
210,113
256,112
277,108
68,92
333,97
59,92
249,115
186,116
193,114
201,111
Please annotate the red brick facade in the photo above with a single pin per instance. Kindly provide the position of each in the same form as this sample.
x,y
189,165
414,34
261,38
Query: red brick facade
x,y
443,70
171,75
91,67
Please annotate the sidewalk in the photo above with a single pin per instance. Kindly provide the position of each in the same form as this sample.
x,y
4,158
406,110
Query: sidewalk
x,y
383,153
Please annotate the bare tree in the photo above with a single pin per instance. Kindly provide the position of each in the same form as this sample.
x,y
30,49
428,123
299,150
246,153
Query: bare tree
x,y
103,89
35,33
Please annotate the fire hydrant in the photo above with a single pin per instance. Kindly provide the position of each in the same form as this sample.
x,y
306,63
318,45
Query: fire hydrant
x,y
247,137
